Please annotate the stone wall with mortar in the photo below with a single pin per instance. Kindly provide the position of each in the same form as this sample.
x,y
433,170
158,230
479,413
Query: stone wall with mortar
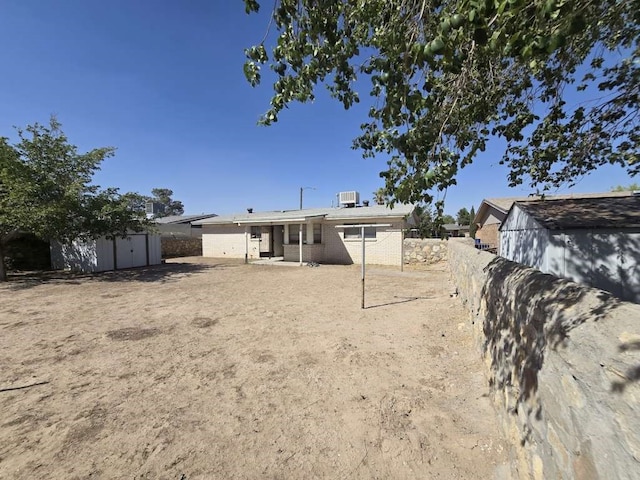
x,y
563,363
424,250
181,247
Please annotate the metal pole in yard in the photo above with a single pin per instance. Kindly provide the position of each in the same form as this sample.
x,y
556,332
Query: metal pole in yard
x,y
402,249
362,235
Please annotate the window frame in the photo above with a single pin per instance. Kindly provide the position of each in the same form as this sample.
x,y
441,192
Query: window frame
x,y
354,232
294,229
317,235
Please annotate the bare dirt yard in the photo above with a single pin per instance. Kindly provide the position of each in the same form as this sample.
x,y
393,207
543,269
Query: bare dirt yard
x,y
211,369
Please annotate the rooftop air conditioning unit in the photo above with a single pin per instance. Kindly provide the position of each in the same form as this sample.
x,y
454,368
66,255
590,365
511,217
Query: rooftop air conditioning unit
x,y
349,199
153,208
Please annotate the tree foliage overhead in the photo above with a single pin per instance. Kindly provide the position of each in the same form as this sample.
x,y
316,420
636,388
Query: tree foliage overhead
x,y
46,190
162,196
558,80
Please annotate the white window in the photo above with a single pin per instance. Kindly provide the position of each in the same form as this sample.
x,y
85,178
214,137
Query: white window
x,y
294,233
317,233
355,232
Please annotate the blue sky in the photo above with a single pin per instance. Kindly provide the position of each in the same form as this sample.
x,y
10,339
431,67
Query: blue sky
x,y
162,81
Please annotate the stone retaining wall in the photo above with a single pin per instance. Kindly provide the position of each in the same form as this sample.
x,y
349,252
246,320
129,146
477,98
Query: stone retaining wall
x,y
424,250
181,247
563,362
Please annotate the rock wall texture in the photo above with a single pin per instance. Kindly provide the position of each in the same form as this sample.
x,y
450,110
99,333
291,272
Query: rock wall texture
x,y
564,365
424,250
181,247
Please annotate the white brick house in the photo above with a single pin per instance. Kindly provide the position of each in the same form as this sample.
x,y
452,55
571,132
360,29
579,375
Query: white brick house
x,y
329,235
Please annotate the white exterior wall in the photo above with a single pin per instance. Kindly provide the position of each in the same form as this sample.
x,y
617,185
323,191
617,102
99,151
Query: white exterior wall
x,y
523,240
310,253
602,258
385,249
155,250
607,259
78,256
97,255
220,241
104,254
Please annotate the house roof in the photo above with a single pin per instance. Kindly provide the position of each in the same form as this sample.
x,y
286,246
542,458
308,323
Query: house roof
x,y
450,227
172,219
504,204
585,213
297,216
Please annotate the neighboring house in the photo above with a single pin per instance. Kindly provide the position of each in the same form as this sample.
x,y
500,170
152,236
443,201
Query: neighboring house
x,y
102,254
181,225
493,211
490,215
593,240
455,230
329,235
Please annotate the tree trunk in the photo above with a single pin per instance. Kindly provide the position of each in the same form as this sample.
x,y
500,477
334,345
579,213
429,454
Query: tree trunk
x,y
3,267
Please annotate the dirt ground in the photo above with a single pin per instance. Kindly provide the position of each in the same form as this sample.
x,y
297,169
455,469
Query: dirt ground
x,y
211,369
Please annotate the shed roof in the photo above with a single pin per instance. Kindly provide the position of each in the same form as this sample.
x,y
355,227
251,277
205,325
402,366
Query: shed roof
x,y
503,204
297,216
588,212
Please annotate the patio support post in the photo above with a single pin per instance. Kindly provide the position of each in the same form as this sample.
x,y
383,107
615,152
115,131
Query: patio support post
x,y
300,241
246,244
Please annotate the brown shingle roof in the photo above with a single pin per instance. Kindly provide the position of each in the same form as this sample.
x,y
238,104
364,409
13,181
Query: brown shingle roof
x,y
588,212
505,203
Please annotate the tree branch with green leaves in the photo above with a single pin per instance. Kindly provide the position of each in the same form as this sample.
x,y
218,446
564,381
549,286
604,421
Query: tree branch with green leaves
x,y
46,189
558,80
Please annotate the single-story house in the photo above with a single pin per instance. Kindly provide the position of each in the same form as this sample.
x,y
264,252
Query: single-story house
x,y
176,226
329,235
455,230
489,217
102,254
492,212
594,240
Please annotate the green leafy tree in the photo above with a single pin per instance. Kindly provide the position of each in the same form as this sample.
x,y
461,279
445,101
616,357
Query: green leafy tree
x,y
380,197
426,225
558,80
46,190
171,206
627,188
448,219
163,196
473,227
463,217
136,201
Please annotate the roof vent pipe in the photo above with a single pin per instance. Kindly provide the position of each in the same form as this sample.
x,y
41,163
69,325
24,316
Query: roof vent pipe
x,y
249,210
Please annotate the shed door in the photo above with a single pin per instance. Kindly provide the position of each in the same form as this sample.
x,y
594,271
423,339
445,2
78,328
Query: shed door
x,y
131,251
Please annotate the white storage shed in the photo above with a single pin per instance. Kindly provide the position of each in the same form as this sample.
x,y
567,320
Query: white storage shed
x,y
102,254
594,241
